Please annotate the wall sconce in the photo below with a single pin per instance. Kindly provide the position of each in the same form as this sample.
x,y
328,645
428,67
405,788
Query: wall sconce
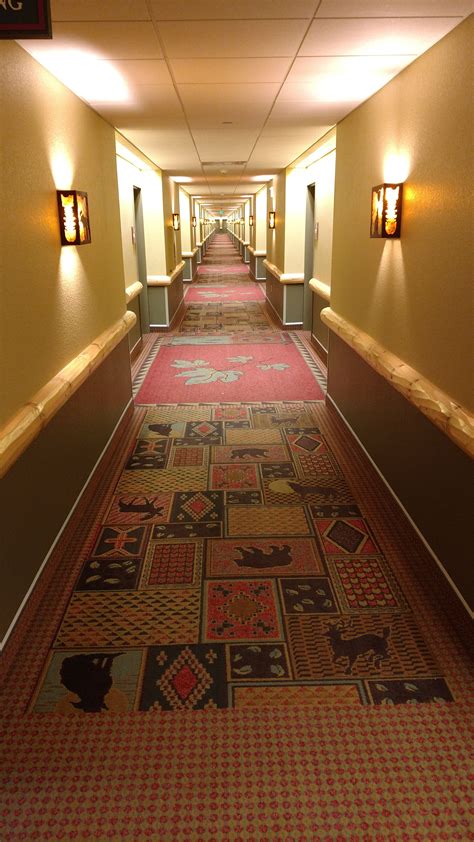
x,y
386,211
271,219
176,222
193,221
73,212
242,221
251,221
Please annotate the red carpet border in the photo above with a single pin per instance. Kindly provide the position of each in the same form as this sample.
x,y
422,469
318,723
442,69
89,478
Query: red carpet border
x,y
290,759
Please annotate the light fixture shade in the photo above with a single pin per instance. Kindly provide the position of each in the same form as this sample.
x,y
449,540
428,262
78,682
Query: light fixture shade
x,y
242,221
176,221
386,211
251,221
271,219
73,213
193,221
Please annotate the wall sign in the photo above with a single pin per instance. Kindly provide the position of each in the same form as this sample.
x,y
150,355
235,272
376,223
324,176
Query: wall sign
x,y
25,19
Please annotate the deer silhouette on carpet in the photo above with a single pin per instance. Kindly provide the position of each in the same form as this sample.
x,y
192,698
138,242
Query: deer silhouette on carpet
x,y
374,646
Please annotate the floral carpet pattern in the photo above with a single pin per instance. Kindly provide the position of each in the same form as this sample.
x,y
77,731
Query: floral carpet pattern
x,y
238,636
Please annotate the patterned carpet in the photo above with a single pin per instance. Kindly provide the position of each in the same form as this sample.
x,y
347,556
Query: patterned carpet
x,y
236,597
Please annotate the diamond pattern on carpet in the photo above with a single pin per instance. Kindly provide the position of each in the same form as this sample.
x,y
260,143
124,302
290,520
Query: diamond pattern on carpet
x,y
243,554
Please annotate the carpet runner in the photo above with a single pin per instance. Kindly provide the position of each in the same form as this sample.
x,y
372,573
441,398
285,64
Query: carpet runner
x,y
229,641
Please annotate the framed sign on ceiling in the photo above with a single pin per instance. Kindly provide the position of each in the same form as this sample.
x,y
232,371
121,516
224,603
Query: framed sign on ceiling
x,y
25,19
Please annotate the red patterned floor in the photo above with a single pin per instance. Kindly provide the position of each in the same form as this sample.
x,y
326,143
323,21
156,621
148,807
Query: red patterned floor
x,y
219,581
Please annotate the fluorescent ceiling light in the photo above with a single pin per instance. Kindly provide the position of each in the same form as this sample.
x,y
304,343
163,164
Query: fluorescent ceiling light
x,y
92,79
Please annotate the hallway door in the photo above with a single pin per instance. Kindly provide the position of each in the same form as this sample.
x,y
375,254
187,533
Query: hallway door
x,y
309,257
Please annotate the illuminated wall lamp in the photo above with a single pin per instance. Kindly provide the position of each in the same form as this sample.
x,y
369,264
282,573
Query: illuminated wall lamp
x,y
386,211
193,221
242,221
176,222
251,221
271,219
73,213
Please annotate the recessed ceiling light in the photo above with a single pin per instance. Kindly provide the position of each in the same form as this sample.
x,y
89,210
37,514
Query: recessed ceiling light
x,y
222,172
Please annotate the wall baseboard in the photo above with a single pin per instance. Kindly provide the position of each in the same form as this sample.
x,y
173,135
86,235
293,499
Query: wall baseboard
x,y
462,602
136,349
122,420
320,350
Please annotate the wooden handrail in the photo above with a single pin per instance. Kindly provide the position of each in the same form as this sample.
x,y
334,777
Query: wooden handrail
x,y
165,280
26,424
320,288
132,291
449,415
284,278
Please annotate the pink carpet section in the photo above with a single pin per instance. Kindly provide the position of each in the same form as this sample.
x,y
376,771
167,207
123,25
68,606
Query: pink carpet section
x,y
223,268
228,292
228,373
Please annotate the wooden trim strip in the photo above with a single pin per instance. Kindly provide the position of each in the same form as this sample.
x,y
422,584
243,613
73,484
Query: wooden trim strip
x,y
132,291
165,280
451,417
284,278
26,424
321,289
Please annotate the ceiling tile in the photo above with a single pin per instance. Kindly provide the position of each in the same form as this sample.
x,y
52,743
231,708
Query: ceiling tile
x,y
278,151
209,106
242,71
168,149
381,36
225,144
393,8
309,68
104,10
131,40
294,117
211,39
244,9
144,72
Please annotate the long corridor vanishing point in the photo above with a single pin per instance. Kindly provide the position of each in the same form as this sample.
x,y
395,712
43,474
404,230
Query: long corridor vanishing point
x,y
235,551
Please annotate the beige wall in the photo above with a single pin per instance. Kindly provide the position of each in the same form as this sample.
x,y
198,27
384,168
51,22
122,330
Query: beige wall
x,y
128,177
276,237
322,174
185,219
54,300
153,221
172,238
261,220
413,295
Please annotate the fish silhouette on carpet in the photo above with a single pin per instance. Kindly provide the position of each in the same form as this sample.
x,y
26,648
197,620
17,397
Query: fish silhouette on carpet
x,y
257,452
259,559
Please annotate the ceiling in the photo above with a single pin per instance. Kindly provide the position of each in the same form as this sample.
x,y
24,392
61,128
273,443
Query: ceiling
x,y
221,95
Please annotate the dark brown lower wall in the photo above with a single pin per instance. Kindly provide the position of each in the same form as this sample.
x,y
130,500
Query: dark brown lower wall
x,y
274,293
38,492
432,478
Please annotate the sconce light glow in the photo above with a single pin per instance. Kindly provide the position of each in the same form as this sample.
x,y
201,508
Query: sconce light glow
x,y
194,222
396,167
251,221
61,166
271,219
176,222
73,213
